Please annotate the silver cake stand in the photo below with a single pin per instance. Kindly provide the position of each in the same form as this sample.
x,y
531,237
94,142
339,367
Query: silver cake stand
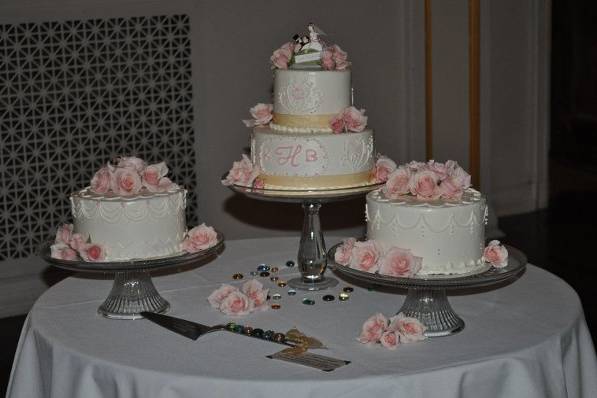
x,y
312,259
132,291
427,300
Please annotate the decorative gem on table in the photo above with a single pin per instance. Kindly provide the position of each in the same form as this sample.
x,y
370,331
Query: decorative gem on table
x,y
244,173
290,263
232,301
262,115
237,276
392,332
496,254
349,119
343,296
427,181
348,289
199,238
370,256
282,283
263,267
328,297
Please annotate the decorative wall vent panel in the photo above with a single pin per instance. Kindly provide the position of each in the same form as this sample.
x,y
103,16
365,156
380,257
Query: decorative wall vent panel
x,y
76,94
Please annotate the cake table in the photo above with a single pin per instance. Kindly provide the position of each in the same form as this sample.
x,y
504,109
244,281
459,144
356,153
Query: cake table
x,y
526,339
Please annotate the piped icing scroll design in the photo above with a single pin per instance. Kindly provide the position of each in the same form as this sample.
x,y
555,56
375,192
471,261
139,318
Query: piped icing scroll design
x,y
292,157
358,153
300,96
113,210
139,249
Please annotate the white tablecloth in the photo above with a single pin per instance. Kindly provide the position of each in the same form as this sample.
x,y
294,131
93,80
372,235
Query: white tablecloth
x,y
526,339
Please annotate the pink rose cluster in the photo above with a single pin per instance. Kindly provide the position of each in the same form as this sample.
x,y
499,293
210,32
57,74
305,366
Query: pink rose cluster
x,y
262,115
129,176
237,302
72,246
496,254
392,332
199,238
244,173
282,57
350,119
369,256
334,58
428,181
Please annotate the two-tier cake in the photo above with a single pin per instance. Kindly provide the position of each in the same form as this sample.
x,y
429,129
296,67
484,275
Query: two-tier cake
x,y
311,137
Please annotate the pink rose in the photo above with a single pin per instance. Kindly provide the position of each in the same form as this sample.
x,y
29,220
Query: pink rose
x,y
399,263
354,119
282,56
327,60
409,329
254,290
460,177
496,254
236,303
398,183
451,189
440,169
132,162
337,123
384,166
152,173
365,256
242,173
78,241
64,234
199,238
340,58
62,251
373,329
390,340
259,183
217,296
344,251
126,182
424,184
416,166
262,115
92,252
102,180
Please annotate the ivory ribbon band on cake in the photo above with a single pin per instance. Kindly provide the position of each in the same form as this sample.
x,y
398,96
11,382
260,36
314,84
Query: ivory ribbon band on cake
x,y
318,182
305,121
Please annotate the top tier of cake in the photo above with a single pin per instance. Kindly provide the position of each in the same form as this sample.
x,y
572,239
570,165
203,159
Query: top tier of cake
x,y
306,100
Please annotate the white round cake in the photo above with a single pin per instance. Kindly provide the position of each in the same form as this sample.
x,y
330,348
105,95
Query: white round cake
x,y
305,100
312,160
449,235
142,226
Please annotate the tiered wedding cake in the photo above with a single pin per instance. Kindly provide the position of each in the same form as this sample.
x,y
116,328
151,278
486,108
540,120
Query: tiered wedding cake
x,y
311,137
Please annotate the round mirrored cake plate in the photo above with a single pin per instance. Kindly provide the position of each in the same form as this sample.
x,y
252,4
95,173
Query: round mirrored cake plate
x,y
426,299
133,290
312,256
300,195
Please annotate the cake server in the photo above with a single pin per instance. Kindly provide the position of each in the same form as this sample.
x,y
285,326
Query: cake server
x,y
194,330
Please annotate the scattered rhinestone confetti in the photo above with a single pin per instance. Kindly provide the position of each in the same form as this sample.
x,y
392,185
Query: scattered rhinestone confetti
x,y
308,301
274,278
348,289
343,296
264,274
291,292
276,306
328,297
254,273
276,296
248,330
290,263
274,269
237,276
263,267
282,283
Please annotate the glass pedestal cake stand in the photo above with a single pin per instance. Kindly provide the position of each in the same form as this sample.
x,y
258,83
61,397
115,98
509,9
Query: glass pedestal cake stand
x,y
427,300
133,291
312,259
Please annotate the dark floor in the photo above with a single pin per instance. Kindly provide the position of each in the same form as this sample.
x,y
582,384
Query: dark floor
x,y
557,239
